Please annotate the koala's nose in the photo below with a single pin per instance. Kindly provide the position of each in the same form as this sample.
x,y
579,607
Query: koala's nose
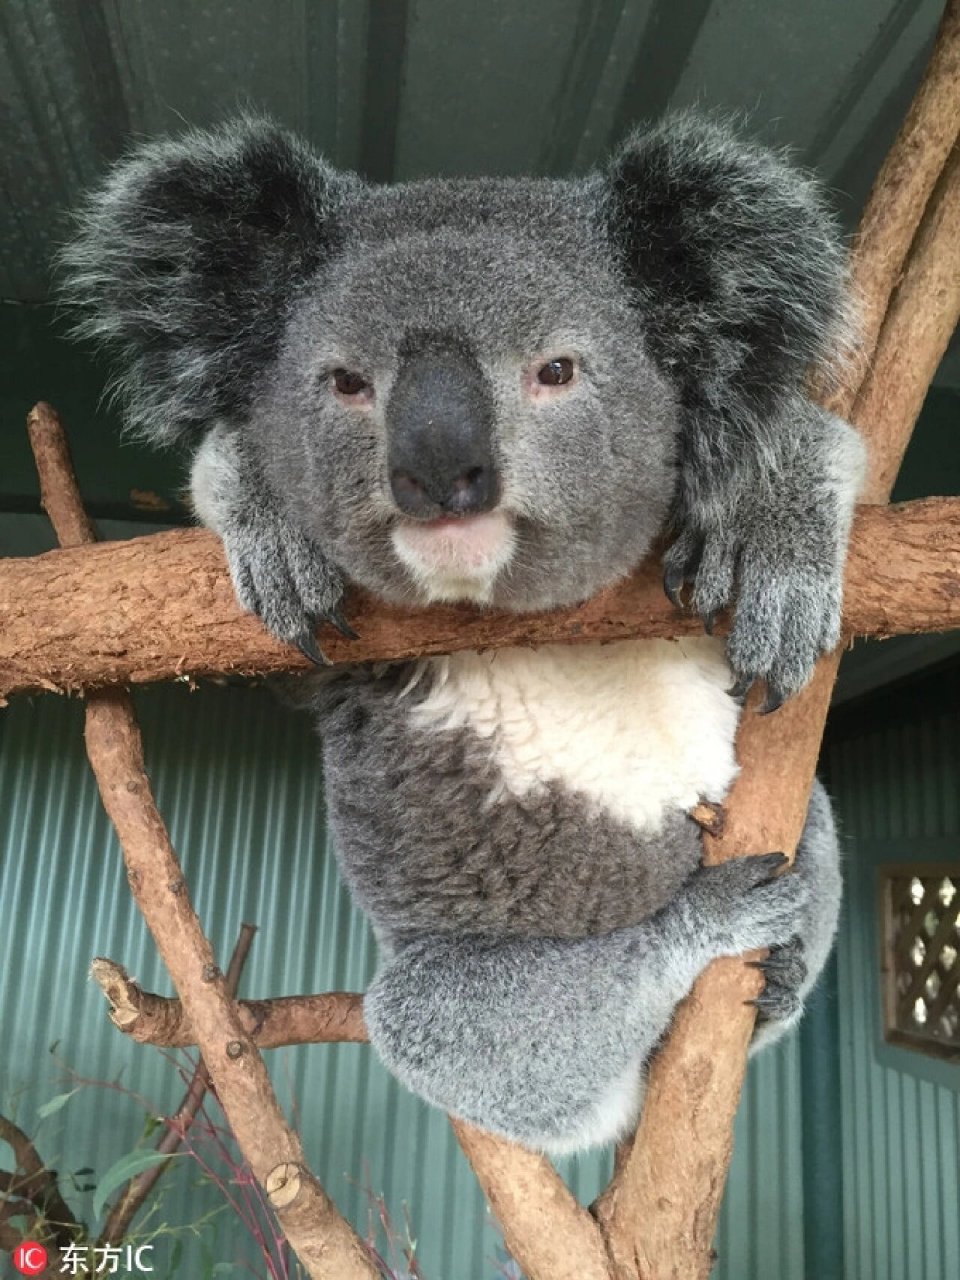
x,y
440,424
457,495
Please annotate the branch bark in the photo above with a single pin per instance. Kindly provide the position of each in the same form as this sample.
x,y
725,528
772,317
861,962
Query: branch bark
x,y
325,1243
35,1183
661,1208
335,1017
134,1195
162,607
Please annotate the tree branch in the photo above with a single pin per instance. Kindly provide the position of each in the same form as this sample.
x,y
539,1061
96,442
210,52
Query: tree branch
x,y
332,1018
133,1196
36,1183
660,1210
325,1243
162,607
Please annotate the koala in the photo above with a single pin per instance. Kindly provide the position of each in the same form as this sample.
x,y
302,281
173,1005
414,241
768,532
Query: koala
x,y
511,392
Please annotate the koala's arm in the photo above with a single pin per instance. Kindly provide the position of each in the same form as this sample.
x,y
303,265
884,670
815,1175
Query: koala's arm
x,y
766,531
738,270
185,263
544,1040
278,573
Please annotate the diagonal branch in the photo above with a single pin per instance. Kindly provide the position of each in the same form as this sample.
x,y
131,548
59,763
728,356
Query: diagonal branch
x,y
325,1243
35,1183
661,1208
134,1195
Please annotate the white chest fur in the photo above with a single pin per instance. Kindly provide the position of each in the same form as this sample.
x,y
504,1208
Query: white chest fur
x,y
639,726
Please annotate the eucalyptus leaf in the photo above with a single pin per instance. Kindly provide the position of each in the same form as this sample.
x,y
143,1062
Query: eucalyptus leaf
x,y
126,1167
55,1104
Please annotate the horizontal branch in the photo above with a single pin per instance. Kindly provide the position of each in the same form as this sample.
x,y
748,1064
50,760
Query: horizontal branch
x,y
334,1017
162,607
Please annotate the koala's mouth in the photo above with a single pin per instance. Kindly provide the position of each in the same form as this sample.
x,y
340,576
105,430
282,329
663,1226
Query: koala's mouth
x,y
455,557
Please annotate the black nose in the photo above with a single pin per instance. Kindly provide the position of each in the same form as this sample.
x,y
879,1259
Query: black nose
x,y
440,424
456,495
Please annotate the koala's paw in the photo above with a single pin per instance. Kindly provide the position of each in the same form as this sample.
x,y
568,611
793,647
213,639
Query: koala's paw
x,y
785,971
284,579
745,903
786,612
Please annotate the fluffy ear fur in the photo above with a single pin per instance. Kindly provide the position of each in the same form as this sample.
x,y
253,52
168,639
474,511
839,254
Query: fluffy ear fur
x,y
187,260
734,258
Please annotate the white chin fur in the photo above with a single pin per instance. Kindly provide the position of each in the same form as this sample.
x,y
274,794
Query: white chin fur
x,y
457,560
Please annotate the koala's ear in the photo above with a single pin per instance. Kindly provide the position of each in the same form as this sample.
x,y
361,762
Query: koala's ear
x,y
187,260
732,256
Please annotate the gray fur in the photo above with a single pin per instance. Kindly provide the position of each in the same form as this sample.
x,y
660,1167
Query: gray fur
x,y
527,1036
794,966
535,945
548,864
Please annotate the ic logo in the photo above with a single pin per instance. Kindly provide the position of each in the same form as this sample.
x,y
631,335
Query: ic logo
x,y
29,1258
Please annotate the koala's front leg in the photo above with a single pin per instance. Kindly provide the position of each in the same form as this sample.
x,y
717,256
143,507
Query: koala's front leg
x,y
277,572
762,523
544,1040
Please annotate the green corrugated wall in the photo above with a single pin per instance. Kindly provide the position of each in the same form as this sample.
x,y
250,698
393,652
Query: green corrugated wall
x,y
238,779
894,769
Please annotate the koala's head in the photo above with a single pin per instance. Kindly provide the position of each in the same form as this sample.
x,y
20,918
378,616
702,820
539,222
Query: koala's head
x,y
466,389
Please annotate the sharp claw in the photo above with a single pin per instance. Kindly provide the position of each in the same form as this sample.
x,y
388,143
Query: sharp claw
x,y
336,619
773,701
710,621
741,688
673,583
308,646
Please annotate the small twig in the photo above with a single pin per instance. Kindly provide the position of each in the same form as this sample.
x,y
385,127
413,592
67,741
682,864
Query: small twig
x,y
134,1194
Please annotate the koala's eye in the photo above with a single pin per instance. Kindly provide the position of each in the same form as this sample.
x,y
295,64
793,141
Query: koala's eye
x,y
350,384
556,373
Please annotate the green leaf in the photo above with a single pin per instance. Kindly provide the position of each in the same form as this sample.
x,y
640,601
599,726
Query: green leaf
x,y
55,1104
223,1268
150,1126
175,1257
126,1167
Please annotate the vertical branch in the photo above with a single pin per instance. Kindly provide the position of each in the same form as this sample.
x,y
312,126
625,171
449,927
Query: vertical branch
x,y
325,1243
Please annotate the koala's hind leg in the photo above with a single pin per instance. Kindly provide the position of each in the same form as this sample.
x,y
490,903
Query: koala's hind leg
x,y
544,1039
793,967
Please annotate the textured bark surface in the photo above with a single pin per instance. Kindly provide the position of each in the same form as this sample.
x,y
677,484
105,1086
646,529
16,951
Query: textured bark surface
x,y
323,1240
549,1234
334,1017
162,607
660,1210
